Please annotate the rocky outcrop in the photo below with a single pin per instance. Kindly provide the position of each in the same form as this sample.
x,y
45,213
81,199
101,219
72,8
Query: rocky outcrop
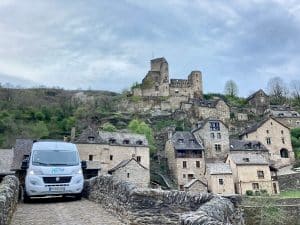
x,y
9,193
151,206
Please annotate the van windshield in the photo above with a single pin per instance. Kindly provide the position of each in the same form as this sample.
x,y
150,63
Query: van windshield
x,y
55,158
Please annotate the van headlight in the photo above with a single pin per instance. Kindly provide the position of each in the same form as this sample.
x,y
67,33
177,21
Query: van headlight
x,y
78,171
35,172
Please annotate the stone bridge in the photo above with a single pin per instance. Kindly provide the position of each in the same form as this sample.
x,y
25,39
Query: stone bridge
x,y
109,201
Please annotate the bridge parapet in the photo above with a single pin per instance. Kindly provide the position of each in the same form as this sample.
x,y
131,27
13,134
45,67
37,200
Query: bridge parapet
x,y
151,206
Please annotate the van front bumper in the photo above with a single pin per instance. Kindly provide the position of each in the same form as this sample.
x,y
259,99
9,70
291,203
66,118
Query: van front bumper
x,y
35,186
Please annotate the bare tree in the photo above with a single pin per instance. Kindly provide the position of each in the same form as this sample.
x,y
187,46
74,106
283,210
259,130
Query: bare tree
x,y
231,88
277,90
295,90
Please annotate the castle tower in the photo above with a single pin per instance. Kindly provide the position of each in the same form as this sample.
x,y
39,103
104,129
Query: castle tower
x,y
195,80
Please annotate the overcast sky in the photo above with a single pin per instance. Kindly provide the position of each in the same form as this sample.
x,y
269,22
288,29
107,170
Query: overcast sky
x,y
107,45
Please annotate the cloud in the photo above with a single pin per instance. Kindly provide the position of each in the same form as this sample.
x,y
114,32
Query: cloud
x,y
108,45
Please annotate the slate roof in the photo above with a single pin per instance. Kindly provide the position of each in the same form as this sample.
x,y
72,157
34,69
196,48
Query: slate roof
x,y
6,157
184,140
91,136
258,125
124,163
283,111
244,145
253,95
218,168
21,148
248,159
191,182
202,123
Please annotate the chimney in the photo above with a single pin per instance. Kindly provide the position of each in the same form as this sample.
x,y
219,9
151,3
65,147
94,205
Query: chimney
x,y
73,132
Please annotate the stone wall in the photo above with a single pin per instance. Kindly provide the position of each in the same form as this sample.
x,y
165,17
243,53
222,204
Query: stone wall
x,y
9,194
289,181
150,206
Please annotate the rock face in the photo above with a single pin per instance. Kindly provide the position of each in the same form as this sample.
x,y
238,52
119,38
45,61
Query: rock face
x,y
138,206
9,193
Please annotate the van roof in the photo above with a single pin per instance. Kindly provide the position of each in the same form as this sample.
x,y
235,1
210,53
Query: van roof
x,y
53,145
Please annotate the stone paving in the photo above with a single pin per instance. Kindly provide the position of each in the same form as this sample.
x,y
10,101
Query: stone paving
x,y
57,211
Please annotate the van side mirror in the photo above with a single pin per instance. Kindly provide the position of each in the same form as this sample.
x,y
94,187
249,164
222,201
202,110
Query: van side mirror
x,y
83,164
25,164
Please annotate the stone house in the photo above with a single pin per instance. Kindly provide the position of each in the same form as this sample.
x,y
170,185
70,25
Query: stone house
x,y
108,149
216,108
219,178
196,186
156,82
276,137
258,102
185,158
132,171
286,115
251,172
214,135
244,146
21,151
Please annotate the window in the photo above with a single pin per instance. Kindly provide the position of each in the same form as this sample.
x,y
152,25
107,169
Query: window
x,y
260,174
221,181
218,147
214,126
284,153
90,157
126,142
246,159
111,157
219,135
112,141
190,176
184,164
281,131
183,175
139,142
198,164
156,88
128,175
138,158
181,187
255,186
246,135
180,141
268,140
267,131
192,141
212,135
283,141
91,138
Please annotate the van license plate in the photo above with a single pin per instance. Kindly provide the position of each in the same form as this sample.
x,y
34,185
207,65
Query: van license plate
x,y
56,189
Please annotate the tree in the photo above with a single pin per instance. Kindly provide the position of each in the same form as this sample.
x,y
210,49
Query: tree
x,y
231,88
40,130
277,90
140,127
295,90
109,127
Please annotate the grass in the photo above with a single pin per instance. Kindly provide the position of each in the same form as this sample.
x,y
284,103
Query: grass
x,y
290,194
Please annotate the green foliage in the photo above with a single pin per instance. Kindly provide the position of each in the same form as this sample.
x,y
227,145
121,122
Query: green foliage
x,y
295,132
140,127
235,101
109,127
148,83
249,192
135,85
135,99
290,194
295,136
295,142
40,130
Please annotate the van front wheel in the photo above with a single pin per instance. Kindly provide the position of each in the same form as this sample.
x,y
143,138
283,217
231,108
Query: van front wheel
x,y
78,196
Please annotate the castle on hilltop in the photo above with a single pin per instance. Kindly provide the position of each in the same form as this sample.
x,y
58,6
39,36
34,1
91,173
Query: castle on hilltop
x,y
157,83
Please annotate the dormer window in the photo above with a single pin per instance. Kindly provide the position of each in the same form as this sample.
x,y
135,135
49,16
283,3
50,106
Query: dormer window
x,y
126,142
139,142
246,159
91,138
180,141
112,141
192,140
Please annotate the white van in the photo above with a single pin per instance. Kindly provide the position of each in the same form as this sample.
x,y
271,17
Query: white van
x,y
54,168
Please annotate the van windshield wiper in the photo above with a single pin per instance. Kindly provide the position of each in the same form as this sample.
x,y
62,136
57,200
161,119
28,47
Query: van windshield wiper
x,y
41,163
61,164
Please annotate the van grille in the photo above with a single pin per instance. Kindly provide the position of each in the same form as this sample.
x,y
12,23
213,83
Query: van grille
x,y
56,180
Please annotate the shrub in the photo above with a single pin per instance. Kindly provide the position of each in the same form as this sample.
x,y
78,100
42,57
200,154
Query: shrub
x,y
249,192
257,193
264,192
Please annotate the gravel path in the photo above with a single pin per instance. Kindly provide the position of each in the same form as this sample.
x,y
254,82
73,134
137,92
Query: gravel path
x,y
62,212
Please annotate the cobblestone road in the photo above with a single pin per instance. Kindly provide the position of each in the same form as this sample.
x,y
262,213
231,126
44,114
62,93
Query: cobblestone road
x,y
62,212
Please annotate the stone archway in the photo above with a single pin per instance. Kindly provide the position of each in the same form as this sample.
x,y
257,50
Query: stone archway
x,y
284,153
